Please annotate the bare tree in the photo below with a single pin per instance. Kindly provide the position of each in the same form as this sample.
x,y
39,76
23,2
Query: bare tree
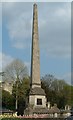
x,y
15,71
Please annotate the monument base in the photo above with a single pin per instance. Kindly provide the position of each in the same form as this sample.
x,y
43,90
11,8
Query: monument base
x,y
37,97
36,111
37,102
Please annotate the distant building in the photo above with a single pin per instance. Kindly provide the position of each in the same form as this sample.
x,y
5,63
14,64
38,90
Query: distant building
x,y
6,85
54,111
67,111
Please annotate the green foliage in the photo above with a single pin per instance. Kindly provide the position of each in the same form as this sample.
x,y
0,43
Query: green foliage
x,y
21,88
68,93
7,100
57,91
21,91
72,96
16,71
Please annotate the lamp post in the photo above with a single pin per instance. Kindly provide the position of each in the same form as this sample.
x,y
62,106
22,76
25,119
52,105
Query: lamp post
x,y
17,93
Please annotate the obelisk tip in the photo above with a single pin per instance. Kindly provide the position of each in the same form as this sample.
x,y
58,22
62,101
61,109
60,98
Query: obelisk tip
x,y
35,5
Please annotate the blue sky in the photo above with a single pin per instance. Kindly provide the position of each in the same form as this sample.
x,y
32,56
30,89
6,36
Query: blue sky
x,y
54,36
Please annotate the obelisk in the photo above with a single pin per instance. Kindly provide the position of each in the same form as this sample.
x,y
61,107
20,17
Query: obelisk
x,y
37,95
35,59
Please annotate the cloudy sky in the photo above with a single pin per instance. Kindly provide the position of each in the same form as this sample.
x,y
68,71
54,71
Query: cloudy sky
x,y
54,21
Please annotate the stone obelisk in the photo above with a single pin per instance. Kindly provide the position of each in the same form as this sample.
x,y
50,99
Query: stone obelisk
x,y
37,95
35,60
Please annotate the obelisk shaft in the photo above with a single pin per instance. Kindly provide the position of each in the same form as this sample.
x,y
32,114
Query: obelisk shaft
x,y
35,61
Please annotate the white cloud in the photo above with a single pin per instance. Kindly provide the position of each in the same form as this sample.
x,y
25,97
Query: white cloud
x,y
19,45
6,59
55,30
18,23
54,26
19,28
